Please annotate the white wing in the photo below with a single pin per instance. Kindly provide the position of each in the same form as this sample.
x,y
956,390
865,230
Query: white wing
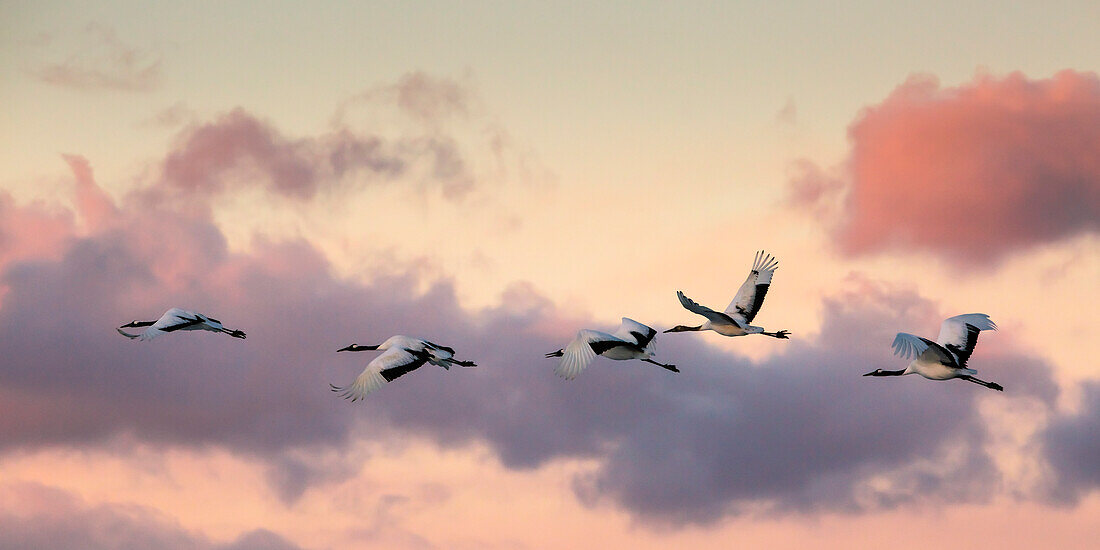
x,y
633,331
714,317
746,304
579,353
959,334
392,363
909,346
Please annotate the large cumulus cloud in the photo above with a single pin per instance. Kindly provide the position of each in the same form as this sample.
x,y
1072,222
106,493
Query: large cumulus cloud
x,y
799,432
972,173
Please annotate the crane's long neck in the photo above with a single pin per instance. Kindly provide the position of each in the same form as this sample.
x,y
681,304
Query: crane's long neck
x,y
881,372
134,324
356,347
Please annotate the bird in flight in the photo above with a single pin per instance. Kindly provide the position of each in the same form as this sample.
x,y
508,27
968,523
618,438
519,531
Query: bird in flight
x,y
734,321
945,358
177,319
401,355
632,340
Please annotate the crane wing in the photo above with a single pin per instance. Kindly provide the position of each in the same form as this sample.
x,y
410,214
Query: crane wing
x,y
746,304
172,320
959,334
633,331
715,317
393,363
911,346
579,353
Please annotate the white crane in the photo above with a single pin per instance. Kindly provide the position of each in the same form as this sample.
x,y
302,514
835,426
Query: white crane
x,y
744,307
945,358
401,355
177,319
632,340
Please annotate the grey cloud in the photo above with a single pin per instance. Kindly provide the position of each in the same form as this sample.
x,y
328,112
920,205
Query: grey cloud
x,y
237,144
1072,446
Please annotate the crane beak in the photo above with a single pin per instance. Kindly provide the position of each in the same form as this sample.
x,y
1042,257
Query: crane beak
x,y
349,348
872,373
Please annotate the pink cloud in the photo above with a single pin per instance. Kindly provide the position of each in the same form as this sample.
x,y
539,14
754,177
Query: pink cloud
x,y
92,202
973,172
39,516
32,231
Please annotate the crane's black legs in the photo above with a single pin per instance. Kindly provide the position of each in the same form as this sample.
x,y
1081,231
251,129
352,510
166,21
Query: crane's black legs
x,y
782,335
990,385
662,365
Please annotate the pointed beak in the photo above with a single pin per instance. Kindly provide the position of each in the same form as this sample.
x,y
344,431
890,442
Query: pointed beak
x,y
870,373
346,349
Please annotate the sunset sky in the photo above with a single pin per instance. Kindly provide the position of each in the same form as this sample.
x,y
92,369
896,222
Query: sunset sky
x,y
495,176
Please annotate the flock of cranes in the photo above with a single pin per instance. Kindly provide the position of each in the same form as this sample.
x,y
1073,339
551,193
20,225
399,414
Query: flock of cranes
x,y
943,359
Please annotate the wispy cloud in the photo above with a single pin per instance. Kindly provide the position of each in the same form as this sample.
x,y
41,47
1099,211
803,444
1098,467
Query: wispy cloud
x,y
240,146
95,58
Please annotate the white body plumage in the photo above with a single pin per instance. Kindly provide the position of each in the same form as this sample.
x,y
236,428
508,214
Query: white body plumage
x,y
632,340
736,319
174,320
947,357
400,355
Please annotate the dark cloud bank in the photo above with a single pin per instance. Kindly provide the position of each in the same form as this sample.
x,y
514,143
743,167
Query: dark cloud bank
x,y
800,432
